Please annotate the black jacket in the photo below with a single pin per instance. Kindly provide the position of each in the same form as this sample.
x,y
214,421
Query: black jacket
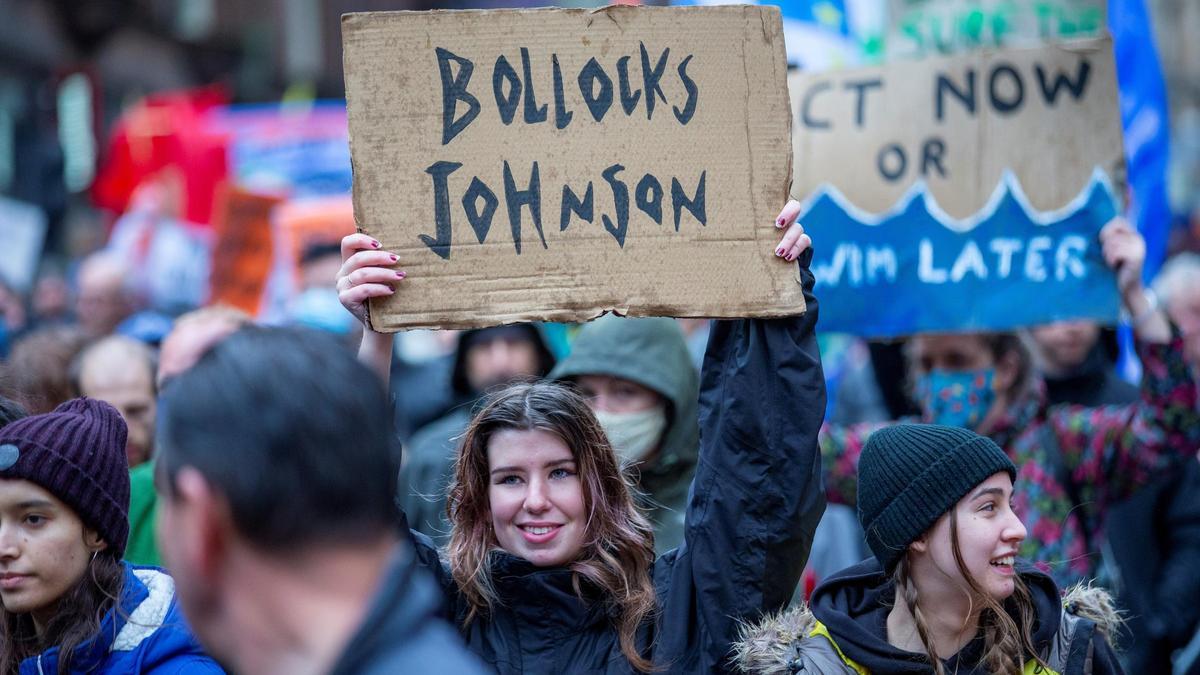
x,y
754,505
402,632
1154,545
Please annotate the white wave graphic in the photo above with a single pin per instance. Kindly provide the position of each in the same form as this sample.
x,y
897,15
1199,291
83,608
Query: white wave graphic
x,y
1009,184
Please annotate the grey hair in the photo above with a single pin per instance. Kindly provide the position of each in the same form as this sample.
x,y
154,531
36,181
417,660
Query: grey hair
x,y
1179,273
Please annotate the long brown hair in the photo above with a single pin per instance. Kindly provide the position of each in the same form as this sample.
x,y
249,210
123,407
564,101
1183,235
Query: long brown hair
x,y
76,620
619,546
1005,639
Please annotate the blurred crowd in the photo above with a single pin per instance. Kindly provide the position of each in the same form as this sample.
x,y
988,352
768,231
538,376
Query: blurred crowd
x,y
162,261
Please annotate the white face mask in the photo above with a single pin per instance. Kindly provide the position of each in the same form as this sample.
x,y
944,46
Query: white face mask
x,y
634,435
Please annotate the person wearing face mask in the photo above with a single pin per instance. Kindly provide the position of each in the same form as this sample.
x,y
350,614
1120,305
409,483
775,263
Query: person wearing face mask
x,y
944,592
639,380
1075,461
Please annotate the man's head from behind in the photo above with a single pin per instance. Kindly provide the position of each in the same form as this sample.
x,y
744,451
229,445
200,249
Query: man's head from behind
x,y
274,446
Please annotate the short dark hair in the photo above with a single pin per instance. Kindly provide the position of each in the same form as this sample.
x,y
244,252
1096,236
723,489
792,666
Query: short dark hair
x,y
292,430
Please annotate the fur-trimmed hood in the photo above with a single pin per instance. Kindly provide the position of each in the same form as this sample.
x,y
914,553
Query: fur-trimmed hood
x,y
772,646
1096,605
848,607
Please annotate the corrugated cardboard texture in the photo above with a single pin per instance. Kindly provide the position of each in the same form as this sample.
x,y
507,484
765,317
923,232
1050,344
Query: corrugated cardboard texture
x,y
727,61
1026,119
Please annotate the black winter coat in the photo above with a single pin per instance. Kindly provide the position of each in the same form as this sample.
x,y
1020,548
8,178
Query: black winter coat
x,y
754,505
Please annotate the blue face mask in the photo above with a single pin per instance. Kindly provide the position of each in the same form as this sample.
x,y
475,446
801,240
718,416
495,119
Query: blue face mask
x,y
957,398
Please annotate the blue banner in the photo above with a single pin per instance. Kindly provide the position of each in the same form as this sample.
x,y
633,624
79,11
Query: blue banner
x,y
915,269
1145,119
818,33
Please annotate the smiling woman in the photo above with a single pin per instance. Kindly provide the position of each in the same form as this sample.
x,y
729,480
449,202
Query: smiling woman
x,y
551,566
944,593
537,460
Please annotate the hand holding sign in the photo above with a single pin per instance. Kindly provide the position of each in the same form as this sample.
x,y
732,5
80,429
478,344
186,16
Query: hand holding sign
x,y
364,274
1124,251
794,241
365,271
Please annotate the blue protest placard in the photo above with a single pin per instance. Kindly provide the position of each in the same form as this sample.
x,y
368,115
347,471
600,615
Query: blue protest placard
x,y
962,193
877,278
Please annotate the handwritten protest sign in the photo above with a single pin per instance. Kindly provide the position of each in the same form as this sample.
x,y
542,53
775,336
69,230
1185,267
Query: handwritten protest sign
x,y
557,164
241,262
961,193
938,27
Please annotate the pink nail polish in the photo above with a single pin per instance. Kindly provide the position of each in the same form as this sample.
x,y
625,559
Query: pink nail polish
x,y
394,258
375,243
779,222
779,252
399,275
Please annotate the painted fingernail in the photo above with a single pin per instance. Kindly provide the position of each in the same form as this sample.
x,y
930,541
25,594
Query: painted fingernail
x,y
394,257
375,243
779,252
399,275
791,257
779,222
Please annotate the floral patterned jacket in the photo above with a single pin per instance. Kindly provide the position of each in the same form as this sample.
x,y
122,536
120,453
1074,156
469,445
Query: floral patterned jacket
x,y
1104,454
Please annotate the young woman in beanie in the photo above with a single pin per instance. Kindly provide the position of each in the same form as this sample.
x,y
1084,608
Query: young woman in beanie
x,y
70,605
944,592
551,568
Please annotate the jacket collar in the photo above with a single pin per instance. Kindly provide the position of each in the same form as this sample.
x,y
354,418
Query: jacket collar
x,y
146,596
546,596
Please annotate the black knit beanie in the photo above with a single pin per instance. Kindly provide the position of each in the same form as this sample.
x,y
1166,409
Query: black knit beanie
x,y
910,474
77,453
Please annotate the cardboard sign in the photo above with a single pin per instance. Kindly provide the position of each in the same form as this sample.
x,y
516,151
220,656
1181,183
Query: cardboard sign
x,y
242,255
921,28
557,164
961,193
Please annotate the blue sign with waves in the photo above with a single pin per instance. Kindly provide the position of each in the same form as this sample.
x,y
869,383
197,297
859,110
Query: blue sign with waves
x,y
916,269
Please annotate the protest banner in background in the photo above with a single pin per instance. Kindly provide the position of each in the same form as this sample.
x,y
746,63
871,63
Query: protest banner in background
x,y
961,193
24,228
920,28
241,262
557,164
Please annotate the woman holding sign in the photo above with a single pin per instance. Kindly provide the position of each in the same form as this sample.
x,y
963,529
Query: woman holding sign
x,y
1073,461
551,567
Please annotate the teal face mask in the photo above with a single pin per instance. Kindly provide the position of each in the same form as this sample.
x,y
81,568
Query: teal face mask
x,y
957,398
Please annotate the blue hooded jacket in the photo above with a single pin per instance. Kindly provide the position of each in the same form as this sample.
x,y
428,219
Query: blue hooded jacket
x,y
147,635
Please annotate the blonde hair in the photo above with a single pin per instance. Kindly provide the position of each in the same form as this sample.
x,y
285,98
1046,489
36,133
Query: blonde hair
x,y
618,549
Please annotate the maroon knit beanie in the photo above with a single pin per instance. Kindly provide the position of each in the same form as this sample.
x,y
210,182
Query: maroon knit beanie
x,y
77,453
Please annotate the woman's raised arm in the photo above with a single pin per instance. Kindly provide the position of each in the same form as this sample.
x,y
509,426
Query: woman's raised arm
x,y
366,273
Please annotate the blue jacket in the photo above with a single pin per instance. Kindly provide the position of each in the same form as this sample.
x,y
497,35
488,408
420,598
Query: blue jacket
x,y
147,635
